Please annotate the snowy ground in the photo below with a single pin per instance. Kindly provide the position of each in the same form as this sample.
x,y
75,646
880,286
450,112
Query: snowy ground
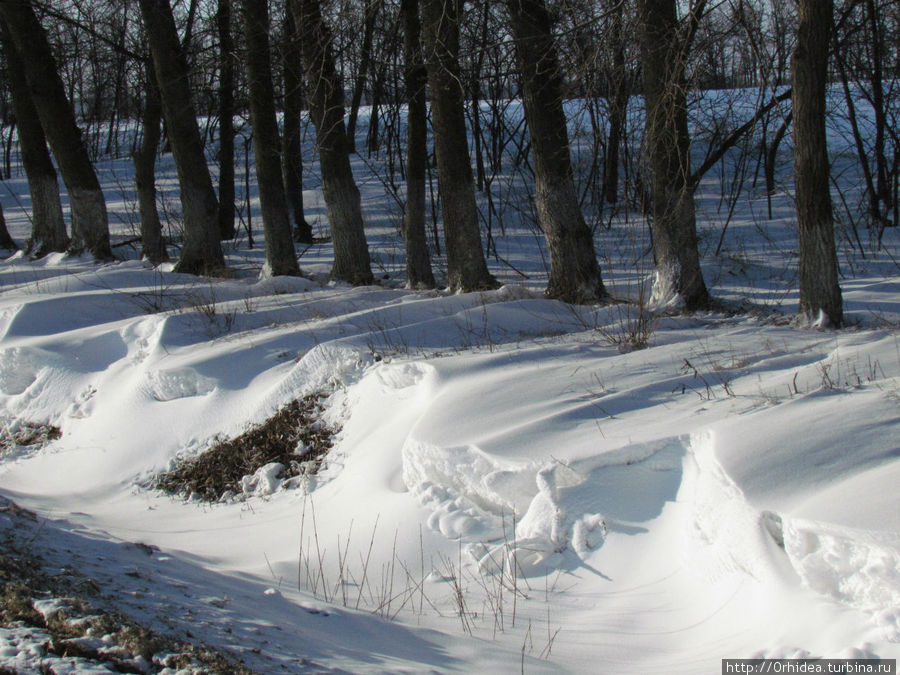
x,y
511,489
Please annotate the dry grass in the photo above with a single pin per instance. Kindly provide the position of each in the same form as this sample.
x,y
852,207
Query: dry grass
x,y
294,437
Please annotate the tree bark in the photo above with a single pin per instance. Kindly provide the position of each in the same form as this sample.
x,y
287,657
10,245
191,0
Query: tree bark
x,y
6,241
90,225
326,97
418,262
820,292
48,229
202,252
679,279
291,150
227,228
152,243
370,15
281,258
466,265
574,272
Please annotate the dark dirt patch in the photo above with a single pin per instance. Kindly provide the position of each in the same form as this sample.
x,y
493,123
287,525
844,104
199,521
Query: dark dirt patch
x,y
294,437
79,628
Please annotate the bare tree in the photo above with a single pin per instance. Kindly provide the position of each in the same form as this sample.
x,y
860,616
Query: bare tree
x,y
466,265
90,226
6,241
202,252
281,259
226,119
326,98
291,150
664,49
48,229
574,272
152,242
418,263
820,293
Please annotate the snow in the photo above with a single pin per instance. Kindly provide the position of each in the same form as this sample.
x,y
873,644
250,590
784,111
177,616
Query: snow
x,y
513,486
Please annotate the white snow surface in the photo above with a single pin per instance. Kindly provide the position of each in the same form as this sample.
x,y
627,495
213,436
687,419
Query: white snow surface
x,y
511,488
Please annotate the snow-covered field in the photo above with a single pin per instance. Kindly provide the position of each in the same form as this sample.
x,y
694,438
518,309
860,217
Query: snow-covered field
x,y
511,489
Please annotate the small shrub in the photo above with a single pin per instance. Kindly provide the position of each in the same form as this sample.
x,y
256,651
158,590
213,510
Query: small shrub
x,y
294,437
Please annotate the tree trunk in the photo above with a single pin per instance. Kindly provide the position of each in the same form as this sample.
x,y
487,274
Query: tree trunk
x,y
326,96
820,293
466,266
679,280
226,121
152,243
371,14
574,272
281,258
618,102
48,233
202,252
6,241
291,150
90,225
418,263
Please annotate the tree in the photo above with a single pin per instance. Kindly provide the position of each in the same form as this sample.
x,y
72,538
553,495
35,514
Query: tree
x,y
152,243
418,263
326,101
820,293
6,241
281,259
664,48
90,226
574,272
202,252
466,265
226,120
291,150
48,229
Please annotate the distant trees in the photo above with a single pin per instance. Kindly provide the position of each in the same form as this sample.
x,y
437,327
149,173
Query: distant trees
x,y
610,91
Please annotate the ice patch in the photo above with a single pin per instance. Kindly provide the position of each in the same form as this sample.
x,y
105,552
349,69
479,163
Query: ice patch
x,y
168,385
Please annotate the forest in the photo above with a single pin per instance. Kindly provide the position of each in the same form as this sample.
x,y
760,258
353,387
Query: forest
x,y
448,336
437,82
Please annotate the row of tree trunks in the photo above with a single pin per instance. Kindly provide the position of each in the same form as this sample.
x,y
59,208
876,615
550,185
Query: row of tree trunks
x,y
90,226
48,229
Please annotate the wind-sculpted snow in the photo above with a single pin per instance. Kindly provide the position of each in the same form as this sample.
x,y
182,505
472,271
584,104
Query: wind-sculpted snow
x,y
504,465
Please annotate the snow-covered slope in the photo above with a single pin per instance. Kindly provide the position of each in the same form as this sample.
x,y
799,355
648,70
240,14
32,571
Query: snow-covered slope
x,y
503,469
